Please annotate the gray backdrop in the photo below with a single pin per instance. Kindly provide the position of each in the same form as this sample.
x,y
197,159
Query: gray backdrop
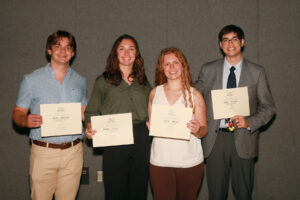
x,y
272,40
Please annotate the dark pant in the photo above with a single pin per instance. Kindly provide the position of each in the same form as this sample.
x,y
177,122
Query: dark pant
x,y
170,183
223,158
126,167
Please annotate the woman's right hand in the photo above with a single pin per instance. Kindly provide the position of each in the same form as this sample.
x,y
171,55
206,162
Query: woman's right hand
x,y
148,125
89,132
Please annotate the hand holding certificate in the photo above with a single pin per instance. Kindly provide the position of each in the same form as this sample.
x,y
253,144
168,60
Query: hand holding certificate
x,y
170,121
61,119
112,130
230,102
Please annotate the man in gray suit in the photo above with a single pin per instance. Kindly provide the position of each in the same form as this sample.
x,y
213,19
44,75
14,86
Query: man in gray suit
x,y
226,150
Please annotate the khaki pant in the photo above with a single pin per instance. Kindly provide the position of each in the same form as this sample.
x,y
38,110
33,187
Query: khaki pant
x,y
55,171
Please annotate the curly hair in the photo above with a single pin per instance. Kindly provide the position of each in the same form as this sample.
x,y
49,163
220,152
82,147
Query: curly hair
x,y
186,79
112,73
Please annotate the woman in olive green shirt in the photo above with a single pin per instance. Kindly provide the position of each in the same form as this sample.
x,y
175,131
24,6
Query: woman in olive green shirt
x,y
123,88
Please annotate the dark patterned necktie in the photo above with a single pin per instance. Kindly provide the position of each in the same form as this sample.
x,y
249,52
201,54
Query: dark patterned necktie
x,y
231,82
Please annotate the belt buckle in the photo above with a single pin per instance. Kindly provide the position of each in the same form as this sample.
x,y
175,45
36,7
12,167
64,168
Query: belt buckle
x,y
65,145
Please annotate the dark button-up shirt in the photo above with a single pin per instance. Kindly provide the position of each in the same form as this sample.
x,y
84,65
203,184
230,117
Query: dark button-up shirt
x,y
109,99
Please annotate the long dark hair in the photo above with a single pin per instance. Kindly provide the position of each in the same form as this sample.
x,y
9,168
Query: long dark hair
x,y
113,74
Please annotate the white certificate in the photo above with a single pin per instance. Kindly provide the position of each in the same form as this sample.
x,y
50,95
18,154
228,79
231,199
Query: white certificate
x,y
230,102
112,130
61,119
170,121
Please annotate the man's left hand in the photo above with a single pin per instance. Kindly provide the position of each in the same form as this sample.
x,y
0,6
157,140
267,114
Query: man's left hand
x,y
240,121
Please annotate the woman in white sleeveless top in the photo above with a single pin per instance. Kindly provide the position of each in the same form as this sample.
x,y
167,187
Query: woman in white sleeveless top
x,y
176,166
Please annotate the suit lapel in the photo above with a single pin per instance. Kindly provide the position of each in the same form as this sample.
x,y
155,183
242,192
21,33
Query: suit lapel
x,y
219,75
218,85
244,79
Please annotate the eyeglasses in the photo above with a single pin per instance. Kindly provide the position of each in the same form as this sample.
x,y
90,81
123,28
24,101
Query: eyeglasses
x,y
234,40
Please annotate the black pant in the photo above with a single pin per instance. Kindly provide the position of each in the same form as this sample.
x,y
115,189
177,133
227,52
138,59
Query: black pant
x,y
126,167
223,158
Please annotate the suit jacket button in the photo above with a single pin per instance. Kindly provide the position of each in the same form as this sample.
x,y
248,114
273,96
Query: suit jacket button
x,y
216,131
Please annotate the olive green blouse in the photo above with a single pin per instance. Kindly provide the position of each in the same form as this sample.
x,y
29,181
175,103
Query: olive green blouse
x,y
109,99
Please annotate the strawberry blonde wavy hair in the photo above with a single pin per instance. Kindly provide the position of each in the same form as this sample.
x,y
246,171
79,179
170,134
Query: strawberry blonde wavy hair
x,y
186,79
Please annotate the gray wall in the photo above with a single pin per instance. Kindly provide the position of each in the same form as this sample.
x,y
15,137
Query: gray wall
x,y
272,40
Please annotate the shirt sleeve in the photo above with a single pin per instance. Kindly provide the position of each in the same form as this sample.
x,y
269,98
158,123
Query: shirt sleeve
x,y
148,88
265,104
95,102
200,82
84,100
24,96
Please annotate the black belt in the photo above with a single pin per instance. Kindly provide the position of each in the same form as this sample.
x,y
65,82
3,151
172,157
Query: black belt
x,y
56,146
225,130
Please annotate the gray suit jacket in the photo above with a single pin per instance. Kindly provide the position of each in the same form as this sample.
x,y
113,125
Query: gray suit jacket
x,y
262,107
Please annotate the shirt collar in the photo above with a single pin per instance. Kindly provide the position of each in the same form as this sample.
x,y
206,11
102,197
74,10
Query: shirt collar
x,y
238,66
51,71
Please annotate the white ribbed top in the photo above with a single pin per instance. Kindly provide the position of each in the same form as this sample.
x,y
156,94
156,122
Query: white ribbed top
x,y
167,152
